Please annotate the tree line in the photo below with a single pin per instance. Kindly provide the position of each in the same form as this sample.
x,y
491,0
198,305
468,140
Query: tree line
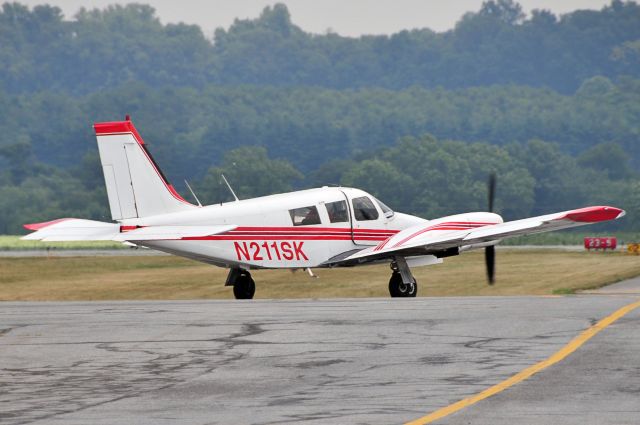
x,y
498,44
310,125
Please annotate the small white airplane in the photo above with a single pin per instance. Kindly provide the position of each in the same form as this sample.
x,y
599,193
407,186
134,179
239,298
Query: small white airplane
x,y
324,227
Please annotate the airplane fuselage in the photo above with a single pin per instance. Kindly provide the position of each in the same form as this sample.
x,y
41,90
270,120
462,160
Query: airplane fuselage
x,y
291,230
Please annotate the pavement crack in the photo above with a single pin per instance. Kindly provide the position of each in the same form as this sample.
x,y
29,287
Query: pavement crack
x,y
8,330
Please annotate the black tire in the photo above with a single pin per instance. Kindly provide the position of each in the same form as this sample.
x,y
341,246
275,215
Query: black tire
x,y
397,288
245,287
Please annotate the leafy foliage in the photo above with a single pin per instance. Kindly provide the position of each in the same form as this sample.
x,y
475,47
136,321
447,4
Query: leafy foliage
x,y
251,173
309,126
496,45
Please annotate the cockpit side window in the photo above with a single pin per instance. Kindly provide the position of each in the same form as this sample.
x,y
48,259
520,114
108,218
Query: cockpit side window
x,y
304,216
337,211
363,209
388,212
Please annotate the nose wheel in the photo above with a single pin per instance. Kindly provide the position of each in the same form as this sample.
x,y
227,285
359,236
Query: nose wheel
x,y
402,282
244,287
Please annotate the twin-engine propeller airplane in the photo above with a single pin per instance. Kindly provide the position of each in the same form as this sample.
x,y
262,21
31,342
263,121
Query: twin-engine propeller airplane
x,y
324,227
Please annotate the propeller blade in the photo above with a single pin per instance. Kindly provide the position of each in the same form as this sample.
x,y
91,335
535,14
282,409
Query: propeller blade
x,y
490,251
490,260
492,190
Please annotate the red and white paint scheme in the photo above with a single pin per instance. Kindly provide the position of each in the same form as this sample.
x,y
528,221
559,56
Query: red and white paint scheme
x,y
324,227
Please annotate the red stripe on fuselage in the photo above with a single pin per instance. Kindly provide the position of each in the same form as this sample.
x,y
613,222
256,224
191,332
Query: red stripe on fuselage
x,y
312,229
280,237
385,235
298,233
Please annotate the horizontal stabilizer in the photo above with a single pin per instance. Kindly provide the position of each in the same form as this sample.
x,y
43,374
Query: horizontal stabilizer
x,y
72,229
172,232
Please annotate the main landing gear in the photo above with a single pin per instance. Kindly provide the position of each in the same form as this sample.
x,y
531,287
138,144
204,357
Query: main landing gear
x,y
402,282
244,287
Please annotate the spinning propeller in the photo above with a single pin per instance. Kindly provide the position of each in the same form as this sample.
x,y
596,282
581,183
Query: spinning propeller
x,y
490,251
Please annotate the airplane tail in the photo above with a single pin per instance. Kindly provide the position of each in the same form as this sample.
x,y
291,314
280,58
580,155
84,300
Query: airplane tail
x,y
135,185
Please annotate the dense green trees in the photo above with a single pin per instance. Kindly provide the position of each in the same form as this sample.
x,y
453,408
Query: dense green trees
x,y
418,118
252,172
309,126
43,193
98,49
496,45
434,178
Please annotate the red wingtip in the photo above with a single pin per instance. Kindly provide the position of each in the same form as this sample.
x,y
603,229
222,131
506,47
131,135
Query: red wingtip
x,y
594,214
38,226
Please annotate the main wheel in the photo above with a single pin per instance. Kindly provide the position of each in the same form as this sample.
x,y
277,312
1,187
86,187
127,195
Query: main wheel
x,y
397,288
245,287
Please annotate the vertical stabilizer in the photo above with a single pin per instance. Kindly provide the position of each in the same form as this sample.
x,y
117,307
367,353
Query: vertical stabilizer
x,y
135,185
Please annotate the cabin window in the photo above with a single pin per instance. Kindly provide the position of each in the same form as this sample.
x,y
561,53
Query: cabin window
x,y
337,211
304,216
363,209
388,212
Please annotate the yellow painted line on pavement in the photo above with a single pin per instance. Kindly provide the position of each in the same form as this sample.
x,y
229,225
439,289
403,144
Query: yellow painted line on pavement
x,y
572,346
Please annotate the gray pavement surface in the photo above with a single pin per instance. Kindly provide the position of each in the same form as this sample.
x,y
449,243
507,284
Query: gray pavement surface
x,y
630,287
369,361
598,384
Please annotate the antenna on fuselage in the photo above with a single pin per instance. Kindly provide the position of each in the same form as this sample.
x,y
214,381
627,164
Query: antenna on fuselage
x,y
193,193
229,186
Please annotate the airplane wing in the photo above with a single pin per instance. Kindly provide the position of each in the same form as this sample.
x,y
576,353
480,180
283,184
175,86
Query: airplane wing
x,y
426,239
74,229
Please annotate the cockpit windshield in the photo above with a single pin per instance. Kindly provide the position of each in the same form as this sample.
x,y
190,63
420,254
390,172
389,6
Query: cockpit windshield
x,y
388,212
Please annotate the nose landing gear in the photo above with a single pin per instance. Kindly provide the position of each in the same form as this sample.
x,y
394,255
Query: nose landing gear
x,y
402,282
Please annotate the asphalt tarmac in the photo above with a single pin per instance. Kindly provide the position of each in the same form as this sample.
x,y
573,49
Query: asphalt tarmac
x,y
369,361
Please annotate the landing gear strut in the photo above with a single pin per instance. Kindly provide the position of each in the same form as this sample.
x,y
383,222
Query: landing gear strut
x,y
402,282
244,287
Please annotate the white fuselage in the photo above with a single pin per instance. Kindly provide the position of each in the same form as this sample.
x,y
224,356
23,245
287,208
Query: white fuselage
x,y
290,230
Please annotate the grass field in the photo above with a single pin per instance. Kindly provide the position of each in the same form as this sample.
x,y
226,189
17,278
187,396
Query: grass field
x,y
12,242
139,278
